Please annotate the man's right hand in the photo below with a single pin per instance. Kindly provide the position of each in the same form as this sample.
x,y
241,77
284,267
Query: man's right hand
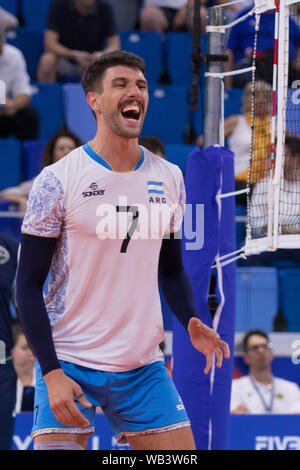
x,y
61,391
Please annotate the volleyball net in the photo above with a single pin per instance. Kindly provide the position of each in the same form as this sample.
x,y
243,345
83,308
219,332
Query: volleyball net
x,y
273,209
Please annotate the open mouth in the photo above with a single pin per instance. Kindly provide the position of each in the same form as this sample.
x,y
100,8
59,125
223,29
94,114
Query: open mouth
x,y
131,112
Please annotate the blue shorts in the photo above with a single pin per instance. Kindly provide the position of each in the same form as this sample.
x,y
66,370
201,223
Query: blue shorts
x,y
139,401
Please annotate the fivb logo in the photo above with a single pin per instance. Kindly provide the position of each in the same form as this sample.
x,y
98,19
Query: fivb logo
x,y
277,443
2,352
2,92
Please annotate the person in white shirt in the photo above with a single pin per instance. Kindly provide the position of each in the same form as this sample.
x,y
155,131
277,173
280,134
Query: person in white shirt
x,y
23,360
289,206
17,117
7,19
260,392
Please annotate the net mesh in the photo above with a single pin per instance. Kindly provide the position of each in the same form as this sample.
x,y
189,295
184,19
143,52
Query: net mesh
x,y
264,109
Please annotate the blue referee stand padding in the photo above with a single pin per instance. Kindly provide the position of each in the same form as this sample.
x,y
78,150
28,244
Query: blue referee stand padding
x,y
207,397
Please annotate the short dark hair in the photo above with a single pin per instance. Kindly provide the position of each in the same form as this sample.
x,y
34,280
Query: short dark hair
x,y
92,78
252,333
153,143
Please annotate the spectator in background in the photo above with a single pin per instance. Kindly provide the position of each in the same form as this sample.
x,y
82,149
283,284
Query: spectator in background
x,y
59,145
8,378
164,15
289,205
17,117
8,20
154,144
238,136
23,360
260,392
77,32
240,47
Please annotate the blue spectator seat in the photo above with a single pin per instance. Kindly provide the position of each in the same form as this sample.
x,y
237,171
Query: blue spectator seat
x,y
148,45
35,13
178,154
78,115
232,102
31,44
10,226
289,296
10,152
32,158
178,50
256,298
167,114
47,99
10,5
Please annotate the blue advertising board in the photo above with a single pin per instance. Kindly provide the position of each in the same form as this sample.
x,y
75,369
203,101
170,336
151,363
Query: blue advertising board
x,y
247,432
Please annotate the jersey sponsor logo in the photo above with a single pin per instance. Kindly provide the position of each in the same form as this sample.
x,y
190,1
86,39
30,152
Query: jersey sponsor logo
x,y
93,190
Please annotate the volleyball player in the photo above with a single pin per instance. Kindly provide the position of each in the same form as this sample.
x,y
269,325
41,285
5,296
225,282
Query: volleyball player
x,y
97,334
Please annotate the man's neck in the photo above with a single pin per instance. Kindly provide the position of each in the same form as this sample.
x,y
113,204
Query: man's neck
x,y
26,376
262,376
81,8
120,153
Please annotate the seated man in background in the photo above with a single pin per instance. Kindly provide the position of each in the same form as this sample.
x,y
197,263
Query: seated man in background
x,y
77,32
260,392
17,117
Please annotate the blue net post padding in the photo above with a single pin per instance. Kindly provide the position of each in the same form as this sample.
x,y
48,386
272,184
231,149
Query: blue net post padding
x,y
207,398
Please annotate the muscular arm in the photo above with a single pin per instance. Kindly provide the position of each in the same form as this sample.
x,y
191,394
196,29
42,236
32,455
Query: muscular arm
x,y
34,263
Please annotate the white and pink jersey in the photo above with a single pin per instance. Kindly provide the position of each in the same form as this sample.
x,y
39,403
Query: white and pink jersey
x,y
103,299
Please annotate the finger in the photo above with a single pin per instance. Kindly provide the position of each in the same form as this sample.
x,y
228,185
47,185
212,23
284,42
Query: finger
x,y
83,401
223,345
209,361
219,356
77,417
63,415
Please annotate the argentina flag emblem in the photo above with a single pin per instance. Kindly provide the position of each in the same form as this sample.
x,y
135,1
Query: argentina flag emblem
x,y
155,187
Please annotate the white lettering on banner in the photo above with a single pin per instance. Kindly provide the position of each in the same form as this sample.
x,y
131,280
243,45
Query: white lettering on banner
x,y
296,353
277,443
95,443
22,445
2,352
2,92
295,94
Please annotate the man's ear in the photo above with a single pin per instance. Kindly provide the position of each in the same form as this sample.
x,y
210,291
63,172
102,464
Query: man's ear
x,y
93,100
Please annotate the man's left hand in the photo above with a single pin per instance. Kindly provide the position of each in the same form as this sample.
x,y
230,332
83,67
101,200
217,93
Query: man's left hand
x,y
208,342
